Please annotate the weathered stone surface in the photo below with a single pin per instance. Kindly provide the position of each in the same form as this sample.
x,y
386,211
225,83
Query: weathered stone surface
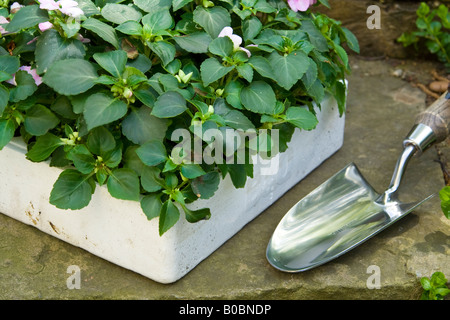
x,y
381,109
396,17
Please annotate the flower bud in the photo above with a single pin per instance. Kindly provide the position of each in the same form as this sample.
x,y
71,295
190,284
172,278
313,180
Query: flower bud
x,y
127,93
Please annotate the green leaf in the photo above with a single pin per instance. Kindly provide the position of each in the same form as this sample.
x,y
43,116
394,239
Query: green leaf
x,y
233,94
325,3
7,129
9,64
63,107
342,54
438,279
251,28
426,284
178,4
51,47
238,174
351,39
151,180
70,28
222,46
131,28
70,76
315,36
103,30
140,126
100,141
142,63
423,9
169,105
213,20
310,76
432,46
132,161
263,6
192,171
169,166
444,195
245,71
206,185
4,98
44,147
301,118
340,95
119,13
124,184
152,5
164,50
168,217
194,216
112,61
88,7
101,109
5,76
26,86
151,206
196,42
288,69
39,120
113,158
237,120
259,97
317,92
158,20
27,17
152,153
212,70
82,159
72,190
262,66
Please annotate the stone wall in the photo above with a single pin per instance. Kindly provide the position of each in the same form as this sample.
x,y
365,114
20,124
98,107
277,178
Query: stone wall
x,y
397,16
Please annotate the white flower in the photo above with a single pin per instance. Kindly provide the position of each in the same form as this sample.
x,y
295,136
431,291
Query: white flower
x,y
237,40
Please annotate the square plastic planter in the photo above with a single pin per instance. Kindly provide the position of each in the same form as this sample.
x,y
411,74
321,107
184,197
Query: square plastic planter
x,y
119,232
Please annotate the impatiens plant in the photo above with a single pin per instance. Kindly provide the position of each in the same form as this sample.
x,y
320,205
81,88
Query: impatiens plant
x,y
126,93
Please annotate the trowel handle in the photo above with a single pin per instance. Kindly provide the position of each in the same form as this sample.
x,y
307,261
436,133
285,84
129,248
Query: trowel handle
x,y
437,117
431,126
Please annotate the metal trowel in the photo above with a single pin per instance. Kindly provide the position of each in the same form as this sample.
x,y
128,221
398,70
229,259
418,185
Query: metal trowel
x,y
345,211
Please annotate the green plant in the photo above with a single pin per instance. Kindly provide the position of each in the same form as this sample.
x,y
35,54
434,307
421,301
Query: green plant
x,y
435,288
433,28
121,93
444,195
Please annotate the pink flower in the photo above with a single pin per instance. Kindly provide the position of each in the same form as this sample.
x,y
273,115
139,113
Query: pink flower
x,y
45,26
32,72
15,7
68,7
237,40
301,5
48,5
3,20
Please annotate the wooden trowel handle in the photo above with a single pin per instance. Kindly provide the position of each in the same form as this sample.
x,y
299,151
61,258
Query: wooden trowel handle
x,y
437,117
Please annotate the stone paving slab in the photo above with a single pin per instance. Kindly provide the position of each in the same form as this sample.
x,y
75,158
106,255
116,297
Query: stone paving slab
x,y
381,110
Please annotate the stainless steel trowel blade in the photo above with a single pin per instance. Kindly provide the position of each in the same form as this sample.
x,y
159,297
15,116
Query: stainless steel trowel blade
x,y
336,217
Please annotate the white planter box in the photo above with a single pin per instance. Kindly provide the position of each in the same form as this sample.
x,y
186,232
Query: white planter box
x,y
119,232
